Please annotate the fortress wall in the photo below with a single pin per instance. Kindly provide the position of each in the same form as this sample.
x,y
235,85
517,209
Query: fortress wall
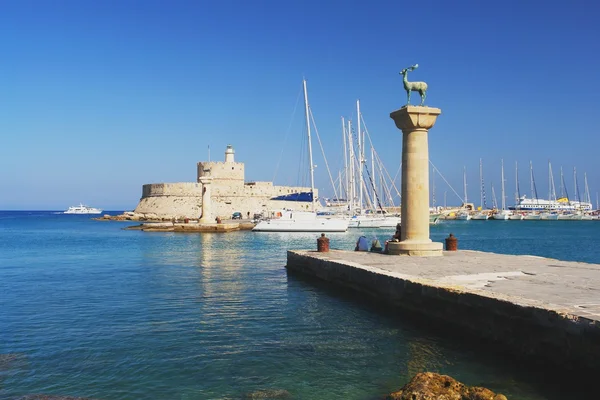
x,y
170,206
184,189
184,199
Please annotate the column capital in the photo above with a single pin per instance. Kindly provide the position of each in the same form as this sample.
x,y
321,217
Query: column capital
x,y
411,118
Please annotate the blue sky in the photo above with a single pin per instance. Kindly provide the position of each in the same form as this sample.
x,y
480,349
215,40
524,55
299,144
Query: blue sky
x,y
98,98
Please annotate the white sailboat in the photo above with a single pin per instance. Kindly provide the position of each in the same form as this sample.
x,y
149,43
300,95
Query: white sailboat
x,y
534,196
464,215
303,221
481,215
515,216
502,214
361,217
552,214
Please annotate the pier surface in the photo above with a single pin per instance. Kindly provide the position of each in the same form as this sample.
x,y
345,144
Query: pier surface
x,y
539,307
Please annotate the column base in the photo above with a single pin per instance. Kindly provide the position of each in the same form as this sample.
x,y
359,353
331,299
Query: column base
x,y
415,248
207,221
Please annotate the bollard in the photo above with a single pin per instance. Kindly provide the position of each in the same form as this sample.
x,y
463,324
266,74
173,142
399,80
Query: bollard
x,y
323,244
451,243
186,220
218,219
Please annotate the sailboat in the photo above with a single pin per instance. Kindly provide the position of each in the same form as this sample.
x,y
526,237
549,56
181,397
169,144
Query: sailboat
x,y
481,214
303,221
503,213
534,196
551,214
361,216
464,214
515,216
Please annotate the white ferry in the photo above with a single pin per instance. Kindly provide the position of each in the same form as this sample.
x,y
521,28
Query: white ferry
x,y
83,209
561,204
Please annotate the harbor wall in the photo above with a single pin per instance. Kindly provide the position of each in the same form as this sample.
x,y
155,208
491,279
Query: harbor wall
x,y
569,343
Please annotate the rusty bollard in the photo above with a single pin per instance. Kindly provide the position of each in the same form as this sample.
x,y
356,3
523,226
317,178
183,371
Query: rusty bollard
x,y
323,244
451,243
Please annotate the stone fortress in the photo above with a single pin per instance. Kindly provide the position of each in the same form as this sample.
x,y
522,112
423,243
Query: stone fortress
x,y
229,193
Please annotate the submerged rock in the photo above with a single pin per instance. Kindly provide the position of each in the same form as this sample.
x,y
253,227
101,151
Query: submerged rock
x,y
51,397
268,394
432,386
8,360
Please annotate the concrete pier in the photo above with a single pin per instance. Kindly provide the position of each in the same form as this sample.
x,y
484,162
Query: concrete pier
x,y
544,309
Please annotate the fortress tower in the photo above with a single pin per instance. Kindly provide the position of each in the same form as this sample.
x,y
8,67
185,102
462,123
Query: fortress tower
x,y
229,158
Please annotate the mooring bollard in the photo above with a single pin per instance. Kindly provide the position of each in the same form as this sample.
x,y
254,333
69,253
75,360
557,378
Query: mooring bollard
x,y
451,243
323,244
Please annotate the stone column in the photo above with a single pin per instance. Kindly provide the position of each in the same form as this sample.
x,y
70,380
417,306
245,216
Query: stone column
x,y
206,201
414,122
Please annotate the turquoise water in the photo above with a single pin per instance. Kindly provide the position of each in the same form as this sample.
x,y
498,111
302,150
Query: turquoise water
x,y
88,309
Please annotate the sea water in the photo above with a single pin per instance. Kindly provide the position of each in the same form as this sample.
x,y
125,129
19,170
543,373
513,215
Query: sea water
x,y
89,309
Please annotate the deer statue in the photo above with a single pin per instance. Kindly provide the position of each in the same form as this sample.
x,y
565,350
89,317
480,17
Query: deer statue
x,y
420,87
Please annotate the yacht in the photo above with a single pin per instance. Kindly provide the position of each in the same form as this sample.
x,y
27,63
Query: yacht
x,y
301,221
82,209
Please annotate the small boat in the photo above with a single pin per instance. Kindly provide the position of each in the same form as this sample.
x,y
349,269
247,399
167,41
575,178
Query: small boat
x,y
463,215
434,218
82,209
532,217
549,216
515,217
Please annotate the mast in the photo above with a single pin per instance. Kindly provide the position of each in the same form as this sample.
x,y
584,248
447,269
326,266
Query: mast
x,y
563,186
345,159
551,186
518,192
533,187
361,156
503,197
577,196
465,185
586,193
375,205
481,179
351,165
310,159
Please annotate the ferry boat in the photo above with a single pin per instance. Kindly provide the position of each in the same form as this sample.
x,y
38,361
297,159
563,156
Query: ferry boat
x,y
82,209
561,204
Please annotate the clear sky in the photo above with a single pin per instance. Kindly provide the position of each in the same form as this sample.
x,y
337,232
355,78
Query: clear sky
x,y
98,98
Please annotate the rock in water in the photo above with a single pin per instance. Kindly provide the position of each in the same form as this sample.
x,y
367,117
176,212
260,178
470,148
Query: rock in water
x,y
51,397
268,394
432,386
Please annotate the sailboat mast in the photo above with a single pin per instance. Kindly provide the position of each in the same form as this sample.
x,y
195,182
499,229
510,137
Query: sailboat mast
x,y
465,185
517,194
481,179
310,159
347,179
586,194
375,205
361,156
351,167
502,176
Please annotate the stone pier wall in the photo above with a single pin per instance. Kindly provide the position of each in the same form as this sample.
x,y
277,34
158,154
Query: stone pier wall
x,y
565,341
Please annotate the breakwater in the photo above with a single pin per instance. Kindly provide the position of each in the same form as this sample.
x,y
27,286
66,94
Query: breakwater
x,y
544,309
